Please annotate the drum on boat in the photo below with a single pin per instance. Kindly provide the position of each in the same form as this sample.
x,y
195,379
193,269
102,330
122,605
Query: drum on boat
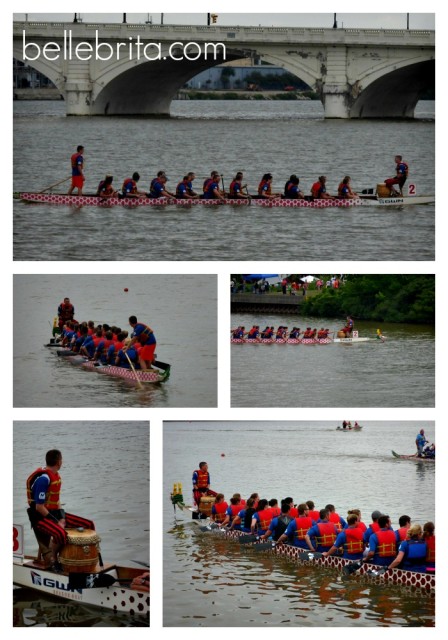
x,y
205,505
80,554
382,190
341,334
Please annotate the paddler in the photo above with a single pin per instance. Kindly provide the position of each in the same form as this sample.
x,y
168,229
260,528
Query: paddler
x,y
265,187
105,188
211,188
323,533
184,190
66,311
379,335
319,189
351,539
412,552
335,518
77,165
420,442
236,187
345,190
292,189
382,543
401,174
278,524
145,336
48,520
219,509
158,189
298,528
129,188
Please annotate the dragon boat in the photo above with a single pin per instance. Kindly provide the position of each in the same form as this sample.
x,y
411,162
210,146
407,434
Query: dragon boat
x,y
308,202
137,376
107,586
413,457
353,339
425,582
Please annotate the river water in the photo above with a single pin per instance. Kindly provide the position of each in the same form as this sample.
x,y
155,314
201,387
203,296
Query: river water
x,y
397,373
180,308
280,137
99,491
212,582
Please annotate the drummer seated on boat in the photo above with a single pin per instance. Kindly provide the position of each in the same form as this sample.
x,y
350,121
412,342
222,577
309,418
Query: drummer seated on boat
x,y
211,188
129,188
105,188
236,187
345,190
48,520
184,190
292,191
350,540
319,189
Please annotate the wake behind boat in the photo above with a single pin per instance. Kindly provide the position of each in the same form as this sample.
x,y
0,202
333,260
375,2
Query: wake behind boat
x,y
314,203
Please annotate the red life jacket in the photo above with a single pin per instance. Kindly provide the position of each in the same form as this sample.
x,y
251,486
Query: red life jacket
x,y
327,534
431,546
303,525
96,340
74,159
387,544
276,511
402,532
354,538
232,192
260,188
235,509
252,332
203,478
375,527
107,344
335,518
314,515
53,491
293,513
220,511
315,189
129,181
265,516
67,311
144,336
206,185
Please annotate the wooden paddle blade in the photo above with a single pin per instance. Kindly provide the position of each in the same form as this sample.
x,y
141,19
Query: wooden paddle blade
x,y
377,572
309,555
245,539
161,365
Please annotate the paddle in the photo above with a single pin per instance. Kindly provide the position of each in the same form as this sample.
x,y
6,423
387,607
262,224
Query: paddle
x,y
246,539
264,546
133,370
161,365
209,527
352,567
377,572
92,580
55,184
309,555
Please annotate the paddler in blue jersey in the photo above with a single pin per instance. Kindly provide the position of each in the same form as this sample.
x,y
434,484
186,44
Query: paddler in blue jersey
x,y
236,187
420,442
211,188
323,533
345,190
129,188
401,174
382,543
412,552
292,191
184,190
158,189
351,539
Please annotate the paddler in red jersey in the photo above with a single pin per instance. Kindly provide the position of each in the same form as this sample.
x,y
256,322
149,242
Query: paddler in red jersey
x,y
201,483
66,312
236,187
401,174
145,336
265,187
77,165
105,188
129,188
319,189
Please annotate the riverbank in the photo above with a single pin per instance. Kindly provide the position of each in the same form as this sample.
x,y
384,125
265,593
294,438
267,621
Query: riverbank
x,y
50,93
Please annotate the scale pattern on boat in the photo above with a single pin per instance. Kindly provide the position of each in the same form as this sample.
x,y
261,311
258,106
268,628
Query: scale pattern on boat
x,y
128,374
424,581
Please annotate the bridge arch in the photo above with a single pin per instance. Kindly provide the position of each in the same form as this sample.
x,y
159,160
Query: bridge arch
x,y
51,70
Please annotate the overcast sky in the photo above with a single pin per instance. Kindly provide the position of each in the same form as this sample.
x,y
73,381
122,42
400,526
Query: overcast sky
x,y
347,20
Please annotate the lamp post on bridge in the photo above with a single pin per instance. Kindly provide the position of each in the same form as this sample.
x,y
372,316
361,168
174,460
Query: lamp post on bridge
x,y
335,24
407,21
124,18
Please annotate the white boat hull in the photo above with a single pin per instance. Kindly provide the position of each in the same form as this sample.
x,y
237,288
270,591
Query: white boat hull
x,y
116,598
348,340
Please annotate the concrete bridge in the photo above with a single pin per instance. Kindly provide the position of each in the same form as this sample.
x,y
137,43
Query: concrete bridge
x,y
358,73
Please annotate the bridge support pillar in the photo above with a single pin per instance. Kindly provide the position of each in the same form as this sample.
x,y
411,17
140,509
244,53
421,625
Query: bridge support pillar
x,y
335,89
78,96
335,101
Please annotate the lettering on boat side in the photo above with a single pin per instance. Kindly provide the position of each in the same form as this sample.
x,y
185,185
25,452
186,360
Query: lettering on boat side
x,y
53,583
391,200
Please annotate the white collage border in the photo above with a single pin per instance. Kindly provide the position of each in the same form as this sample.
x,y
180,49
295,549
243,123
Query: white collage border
x,y
223,269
